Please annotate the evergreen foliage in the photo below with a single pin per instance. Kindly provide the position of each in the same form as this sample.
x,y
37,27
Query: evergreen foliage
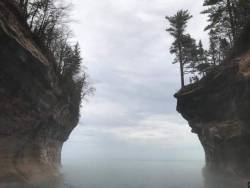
x,y
192,58
227,20
228,27
178,24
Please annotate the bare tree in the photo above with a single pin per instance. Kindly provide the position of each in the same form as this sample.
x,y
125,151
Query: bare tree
x,y
48,21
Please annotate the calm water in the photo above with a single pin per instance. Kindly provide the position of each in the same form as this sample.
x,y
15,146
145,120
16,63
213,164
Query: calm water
x,y
134,174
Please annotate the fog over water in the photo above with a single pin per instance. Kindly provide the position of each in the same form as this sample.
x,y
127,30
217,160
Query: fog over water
x,y
129,134
135,174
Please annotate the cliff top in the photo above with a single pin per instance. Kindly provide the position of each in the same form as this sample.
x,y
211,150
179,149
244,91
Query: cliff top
x,y
238,60
14,25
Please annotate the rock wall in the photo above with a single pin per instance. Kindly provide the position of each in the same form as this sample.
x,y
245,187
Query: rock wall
x,y
35,119
218,110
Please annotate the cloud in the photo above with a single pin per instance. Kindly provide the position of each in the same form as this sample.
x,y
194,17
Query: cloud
x,y
159,137
158,129
125,47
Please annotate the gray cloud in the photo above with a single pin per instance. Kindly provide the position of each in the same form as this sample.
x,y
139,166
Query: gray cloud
x,y
125,48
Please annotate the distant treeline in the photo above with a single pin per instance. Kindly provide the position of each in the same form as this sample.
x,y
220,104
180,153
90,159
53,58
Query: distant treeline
x,y
48,21
227,20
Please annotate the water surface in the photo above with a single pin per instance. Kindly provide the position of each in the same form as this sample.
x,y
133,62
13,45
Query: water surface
x,y
134,174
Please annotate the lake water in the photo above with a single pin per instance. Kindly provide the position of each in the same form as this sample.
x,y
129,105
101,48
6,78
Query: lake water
x,y
134,174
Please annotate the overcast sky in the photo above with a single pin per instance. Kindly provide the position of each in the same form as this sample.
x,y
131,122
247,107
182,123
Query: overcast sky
x,y
132,114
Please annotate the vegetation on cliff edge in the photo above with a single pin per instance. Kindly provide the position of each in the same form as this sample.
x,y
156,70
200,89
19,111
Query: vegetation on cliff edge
x,y
228,21
48,21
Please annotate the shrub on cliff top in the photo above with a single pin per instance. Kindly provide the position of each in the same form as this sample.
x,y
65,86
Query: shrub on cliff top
x,y
48,21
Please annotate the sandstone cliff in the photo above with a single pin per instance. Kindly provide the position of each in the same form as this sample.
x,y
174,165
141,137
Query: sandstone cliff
x,y
218,110
35,119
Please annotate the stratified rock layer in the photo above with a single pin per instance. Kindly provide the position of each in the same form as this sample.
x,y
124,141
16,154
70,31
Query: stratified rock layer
x,y
218,110
34,117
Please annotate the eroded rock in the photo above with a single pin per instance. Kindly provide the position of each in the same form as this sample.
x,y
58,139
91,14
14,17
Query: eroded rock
x,y
35,119
218,110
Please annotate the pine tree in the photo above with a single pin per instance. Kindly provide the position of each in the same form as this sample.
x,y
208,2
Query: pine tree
x,y
178,24
224,48
221,18
213,52
77,59
190,54
203,64
227,17
73,80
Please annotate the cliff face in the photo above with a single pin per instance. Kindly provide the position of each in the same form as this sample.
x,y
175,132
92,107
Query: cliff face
x,y
35,120
218,111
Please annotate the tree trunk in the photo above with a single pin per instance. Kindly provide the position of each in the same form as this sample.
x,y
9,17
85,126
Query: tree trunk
x,y
181,66
182,75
